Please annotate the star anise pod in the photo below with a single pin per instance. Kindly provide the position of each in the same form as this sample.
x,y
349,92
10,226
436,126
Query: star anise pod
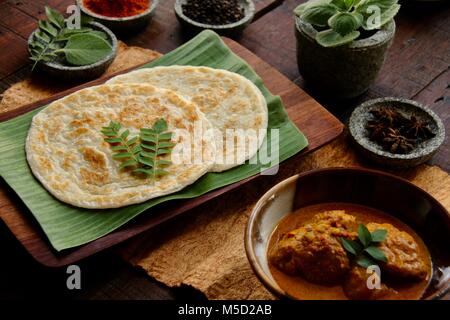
x,y
416,129
377,130
395,142
389,116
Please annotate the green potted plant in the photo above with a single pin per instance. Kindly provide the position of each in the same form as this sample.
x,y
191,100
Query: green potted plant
x,y
342,44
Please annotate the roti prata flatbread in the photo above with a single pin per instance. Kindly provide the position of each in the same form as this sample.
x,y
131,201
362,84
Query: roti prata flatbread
x,y
67,152
233,104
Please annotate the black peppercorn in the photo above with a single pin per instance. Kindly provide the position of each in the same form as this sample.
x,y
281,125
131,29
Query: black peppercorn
x,y
214,12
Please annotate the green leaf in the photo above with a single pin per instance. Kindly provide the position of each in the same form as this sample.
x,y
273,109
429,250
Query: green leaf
x,y
149,147
148,131
341,4
148,138
363,5
147,154
351,246
166,145
165,136
345,23
147,161
147,172
160,126
386,16
377,12
113,140
330,38
44,25
379,235
163,151
318,15
349,3
364,261
364,235
136,149
42,37
376,253
55,17
122,155
129,163
161,172
163,162
125,134
301,8
119,148
85,48
132,141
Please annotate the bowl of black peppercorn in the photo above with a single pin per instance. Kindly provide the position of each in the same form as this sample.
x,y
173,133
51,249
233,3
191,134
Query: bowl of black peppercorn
x,y
226,17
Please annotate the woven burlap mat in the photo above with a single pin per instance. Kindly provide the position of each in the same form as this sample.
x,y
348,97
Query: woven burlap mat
x,y
204,248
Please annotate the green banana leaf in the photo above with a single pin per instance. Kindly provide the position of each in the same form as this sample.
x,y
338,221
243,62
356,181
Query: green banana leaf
x,y
67,226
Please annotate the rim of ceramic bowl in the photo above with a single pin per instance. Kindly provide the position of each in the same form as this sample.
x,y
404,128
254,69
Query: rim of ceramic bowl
x,y
248,17
110,56
250,252
379,38
151,8
430,146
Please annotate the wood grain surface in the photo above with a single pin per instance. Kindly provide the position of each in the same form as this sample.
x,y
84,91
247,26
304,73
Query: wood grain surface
x,y
319,126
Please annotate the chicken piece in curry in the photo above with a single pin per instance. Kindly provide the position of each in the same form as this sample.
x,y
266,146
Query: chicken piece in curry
x,y
314,251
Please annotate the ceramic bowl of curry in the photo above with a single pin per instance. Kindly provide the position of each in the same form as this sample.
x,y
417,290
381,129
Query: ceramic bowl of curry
x,y
296,232
122,17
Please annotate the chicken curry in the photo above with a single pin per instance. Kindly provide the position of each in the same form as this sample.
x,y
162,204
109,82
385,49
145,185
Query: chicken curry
x,y
308,260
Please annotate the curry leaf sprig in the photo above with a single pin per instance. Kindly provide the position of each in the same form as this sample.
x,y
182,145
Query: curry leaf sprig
x,y
143,153
54,39
340,21
365,249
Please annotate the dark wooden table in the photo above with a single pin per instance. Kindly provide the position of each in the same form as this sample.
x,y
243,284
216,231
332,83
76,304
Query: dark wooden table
x,y
417,68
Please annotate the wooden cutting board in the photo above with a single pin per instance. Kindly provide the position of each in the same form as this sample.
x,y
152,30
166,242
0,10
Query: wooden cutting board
x,y
319,126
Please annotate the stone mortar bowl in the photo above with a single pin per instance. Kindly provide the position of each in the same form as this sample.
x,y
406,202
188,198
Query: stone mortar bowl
x,y
77,73
373,151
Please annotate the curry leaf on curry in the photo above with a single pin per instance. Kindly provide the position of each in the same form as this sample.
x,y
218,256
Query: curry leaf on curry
x,y
365,248
364,261
376,253
351,246
379,235
364,235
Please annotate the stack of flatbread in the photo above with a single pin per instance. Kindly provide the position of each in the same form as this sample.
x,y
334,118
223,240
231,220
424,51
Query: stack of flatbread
x,y
211,111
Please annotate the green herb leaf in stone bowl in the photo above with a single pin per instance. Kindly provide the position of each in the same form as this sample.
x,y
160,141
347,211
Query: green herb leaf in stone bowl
x,y
85,48
54,41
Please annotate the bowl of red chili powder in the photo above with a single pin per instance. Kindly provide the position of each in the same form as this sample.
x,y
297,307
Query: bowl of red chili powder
x,y
121,16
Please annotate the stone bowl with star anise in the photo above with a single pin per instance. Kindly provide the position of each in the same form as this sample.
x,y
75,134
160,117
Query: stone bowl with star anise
x,y
396,132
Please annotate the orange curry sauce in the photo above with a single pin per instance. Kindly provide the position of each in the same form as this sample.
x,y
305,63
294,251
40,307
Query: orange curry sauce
x,y
302,289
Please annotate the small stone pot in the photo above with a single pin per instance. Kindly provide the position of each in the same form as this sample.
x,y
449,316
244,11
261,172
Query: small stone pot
x,y
64,72
346,71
